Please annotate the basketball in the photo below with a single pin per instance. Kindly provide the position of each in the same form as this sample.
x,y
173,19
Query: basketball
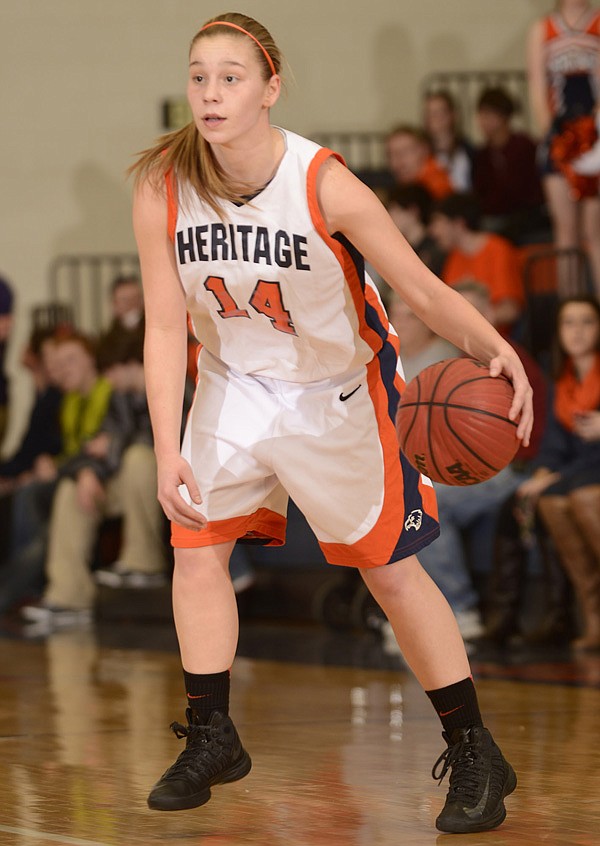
x,y
453,423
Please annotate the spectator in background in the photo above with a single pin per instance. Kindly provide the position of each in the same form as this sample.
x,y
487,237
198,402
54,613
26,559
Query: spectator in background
x,y
565,486
86,396
564,81
474,508
450,148
483,256
410,160
6,317
42,436
127,309
410,206
505,174
419,346
114,473
42,440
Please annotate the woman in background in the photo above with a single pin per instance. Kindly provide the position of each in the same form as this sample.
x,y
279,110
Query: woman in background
x,y
567,478
451,149
564,80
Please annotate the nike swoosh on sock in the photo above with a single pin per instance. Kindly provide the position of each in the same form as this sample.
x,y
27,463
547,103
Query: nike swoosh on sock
x,y
446,713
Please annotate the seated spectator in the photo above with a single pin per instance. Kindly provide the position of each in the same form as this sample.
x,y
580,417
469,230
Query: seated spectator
x,y
409,206
41,439
419,346
85,401
565,486
6,310
410,160
442,125
485,257
114,473
127,311
519,533
42,436
475,507
505,175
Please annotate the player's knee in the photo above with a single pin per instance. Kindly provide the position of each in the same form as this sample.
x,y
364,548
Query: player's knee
x,y
201,566
396,580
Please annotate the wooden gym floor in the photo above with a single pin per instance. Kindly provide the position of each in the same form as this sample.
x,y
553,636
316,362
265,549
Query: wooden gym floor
x,y
342,739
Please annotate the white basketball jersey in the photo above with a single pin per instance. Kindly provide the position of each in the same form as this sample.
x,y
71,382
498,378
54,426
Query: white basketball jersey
x,y
268,291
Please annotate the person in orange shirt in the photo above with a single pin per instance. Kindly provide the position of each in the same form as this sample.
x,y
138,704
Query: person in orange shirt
x,y
410,159
473,254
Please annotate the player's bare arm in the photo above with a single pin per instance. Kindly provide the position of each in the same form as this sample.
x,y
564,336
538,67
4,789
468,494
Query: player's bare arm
x,y
164,352
536,75
348,206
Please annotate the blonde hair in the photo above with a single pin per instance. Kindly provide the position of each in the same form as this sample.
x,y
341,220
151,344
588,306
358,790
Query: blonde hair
x,y
185,153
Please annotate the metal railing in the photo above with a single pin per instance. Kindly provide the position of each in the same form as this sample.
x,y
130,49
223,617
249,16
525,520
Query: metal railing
x,y
83,283
549,276
465,88
365,151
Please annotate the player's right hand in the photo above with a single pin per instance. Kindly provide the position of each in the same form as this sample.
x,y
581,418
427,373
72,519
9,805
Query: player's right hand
x,y
172,473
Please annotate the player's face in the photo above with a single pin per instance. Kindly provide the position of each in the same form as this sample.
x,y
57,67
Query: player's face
x,y
579,329
227,91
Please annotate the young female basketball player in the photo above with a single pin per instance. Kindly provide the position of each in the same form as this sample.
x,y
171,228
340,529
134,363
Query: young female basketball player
x,y
260,235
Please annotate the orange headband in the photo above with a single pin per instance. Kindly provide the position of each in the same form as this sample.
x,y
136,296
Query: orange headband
x,y
249,34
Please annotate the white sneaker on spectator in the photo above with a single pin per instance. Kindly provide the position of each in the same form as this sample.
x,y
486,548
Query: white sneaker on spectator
x,y
470,624
242,582
56,616
118,576
389,644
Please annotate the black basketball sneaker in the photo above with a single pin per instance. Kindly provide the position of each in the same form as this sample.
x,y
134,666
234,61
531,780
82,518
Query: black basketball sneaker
x,y
480,778
213,754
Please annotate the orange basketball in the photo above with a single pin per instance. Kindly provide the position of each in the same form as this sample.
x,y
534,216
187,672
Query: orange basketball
x,y
453,423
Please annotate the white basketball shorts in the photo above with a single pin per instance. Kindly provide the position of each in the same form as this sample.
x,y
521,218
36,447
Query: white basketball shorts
x,y
331,445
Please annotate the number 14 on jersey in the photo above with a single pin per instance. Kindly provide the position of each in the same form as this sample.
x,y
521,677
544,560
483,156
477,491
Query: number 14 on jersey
x,y
266,299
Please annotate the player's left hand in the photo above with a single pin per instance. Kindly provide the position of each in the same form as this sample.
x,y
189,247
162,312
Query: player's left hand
x,y
522,405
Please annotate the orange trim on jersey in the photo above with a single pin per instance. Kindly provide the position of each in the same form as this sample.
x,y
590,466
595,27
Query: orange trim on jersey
x,y
554,30
172,204
368,334
551,28
264,523
377,546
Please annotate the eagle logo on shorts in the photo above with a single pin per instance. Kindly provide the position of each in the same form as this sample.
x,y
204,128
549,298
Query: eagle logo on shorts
x,y
414,520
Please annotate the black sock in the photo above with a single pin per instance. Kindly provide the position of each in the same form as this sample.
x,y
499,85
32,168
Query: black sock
x,y
456,705
206,693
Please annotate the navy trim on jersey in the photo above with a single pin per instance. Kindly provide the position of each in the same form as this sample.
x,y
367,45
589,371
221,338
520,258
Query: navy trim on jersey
x,y
408,541
387,354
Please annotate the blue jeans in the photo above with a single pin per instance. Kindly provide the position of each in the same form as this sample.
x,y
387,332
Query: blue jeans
x,y
461,508
23,572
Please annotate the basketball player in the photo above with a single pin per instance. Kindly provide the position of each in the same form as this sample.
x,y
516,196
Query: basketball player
x,y
260,235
